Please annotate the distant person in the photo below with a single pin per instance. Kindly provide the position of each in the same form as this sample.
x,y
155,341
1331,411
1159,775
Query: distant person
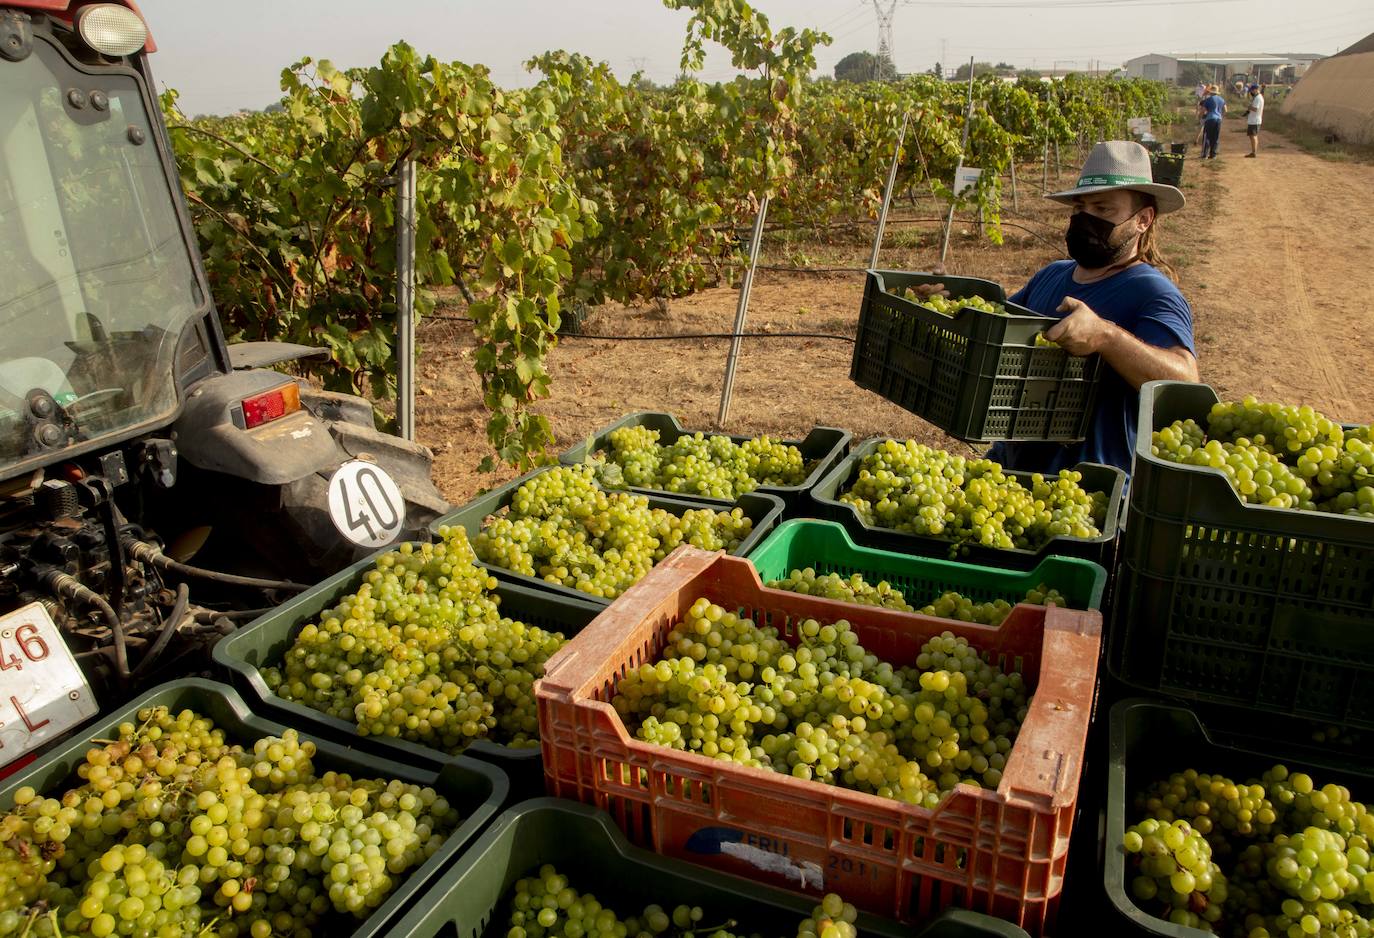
x,y
1212,109
1254,117
1239,87
1201,90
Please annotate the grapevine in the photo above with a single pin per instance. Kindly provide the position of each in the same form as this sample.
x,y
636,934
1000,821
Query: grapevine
x,y
577,189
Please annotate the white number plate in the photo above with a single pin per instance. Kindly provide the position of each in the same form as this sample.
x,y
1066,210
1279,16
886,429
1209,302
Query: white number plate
x,y
42,690
366,504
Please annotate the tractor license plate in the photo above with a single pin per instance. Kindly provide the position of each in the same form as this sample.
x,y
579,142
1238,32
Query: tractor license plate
x,y
42,690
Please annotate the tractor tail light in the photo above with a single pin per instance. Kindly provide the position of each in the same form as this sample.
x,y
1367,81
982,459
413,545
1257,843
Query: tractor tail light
x,y
270,405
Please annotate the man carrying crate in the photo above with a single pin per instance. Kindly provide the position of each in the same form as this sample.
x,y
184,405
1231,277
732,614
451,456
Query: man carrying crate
x,y
1115,298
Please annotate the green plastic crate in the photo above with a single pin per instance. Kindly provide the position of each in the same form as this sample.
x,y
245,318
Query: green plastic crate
x,y
827,547
585,845
1149,740
263,643
976,375
477,790
764,510
1101,550
1271,609
823,446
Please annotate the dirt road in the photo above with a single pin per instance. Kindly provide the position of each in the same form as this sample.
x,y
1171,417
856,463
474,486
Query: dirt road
x,y
1283,289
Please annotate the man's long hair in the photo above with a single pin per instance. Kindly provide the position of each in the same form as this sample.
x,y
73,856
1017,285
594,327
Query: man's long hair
x,y
1147,248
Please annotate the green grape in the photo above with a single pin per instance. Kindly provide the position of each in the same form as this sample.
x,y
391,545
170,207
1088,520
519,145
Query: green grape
x,y
1257,475
562,527
850,589
1294,855
949,605
698,464
1278,455
170,829
1287,431
420,651
545,903
824,709
1173,874
913,488
950,305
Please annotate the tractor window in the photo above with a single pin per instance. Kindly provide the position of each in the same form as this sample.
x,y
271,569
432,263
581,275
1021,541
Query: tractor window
x,y
98,276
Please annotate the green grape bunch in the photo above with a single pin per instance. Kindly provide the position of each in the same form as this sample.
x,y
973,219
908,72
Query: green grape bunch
x,y
545,904
950,305
1292,858
948,605
826,710
172,830
1175,873
713,466
1278,455
562,527
421,651
913,488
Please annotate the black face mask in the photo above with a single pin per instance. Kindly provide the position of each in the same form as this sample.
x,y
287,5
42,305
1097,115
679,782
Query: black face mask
x,y
1089,240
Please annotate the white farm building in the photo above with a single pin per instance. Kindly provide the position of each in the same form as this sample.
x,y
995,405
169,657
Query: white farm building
x,y
1265,67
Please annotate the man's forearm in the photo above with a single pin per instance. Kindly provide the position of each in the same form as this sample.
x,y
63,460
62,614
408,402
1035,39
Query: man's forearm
x,y
1138,361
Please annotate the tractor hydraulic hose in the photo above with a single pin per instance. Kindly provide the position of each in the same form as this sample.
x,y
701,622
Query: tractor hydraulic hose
x,y
169,628
147,553
71,588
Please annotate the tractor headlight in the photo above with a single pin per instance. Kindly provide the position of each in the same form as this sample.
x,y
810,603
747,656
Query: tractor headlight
x,y
111,29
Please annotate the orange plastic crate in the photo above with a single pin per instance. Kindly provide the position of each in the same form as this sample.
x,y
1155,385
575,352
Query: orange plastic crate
x,y
1001,852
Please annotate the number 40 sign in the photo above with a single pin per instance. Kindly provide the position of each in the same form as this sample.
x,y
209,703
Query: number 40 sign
x,y
365,504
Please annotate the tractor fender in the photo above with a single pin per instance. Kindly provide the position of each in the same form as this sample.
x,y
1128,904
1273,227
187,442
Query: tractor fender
x,y
210,433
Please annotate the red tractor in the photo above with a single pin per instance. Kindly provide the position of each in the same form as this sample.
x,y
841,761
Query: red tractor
x,y
156,484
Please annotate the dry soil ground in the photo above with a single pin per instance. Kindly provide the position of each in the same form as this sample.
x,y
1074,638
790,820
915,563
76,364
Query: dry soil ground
x,y
1271,252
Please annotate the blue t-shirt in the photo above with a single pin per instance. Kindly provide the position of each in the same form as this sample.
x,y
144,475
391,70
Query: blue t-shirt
x,y
1140,300
1211,107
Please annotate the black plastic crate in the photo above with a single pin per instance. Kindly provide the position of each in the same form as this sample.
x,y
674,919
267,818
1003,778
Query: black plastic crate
x,y
1271,609
1148,741
1096,478
477,790
764,510
1167,168
976,375
264,642
585,845
823,447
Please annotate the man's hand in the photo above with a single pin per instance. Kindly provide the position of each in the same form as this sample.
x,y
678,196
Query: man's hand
x,y
926,290
1082,331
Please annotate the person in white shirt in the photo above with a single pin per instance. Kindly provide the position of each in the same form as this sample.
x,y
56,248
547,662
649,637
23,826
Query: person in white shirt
x,y
1254,116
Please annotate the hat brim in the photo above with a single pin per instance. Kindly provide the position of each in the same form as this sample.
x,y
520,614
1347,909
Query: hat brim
x,y
1167,198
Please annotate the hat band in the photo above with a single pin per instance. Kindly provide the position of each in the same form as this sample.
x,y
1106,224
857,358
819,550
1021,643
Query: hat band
x,y
1112,179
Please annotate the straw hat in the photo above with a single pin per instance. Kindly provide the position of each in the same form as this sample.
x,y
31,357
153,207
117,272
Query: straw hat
x,y
1121,164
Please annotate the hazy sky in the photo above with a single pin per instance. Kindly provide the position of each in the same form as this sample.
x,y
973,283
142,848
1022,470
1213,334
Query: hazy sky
x,y
225,55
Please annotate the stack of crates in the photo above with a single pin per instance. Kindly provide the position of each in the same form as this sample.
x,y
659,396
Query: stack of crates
x,y
1251,627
